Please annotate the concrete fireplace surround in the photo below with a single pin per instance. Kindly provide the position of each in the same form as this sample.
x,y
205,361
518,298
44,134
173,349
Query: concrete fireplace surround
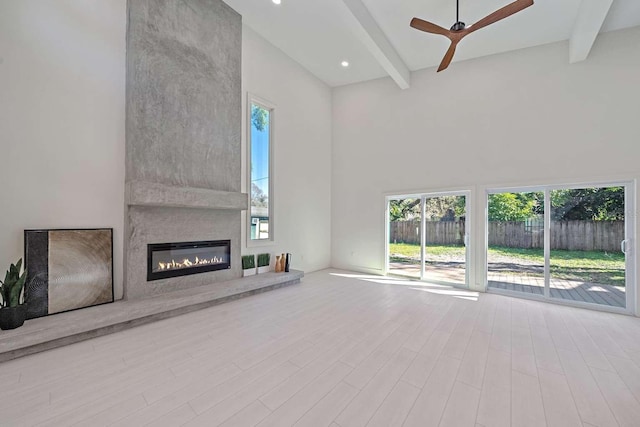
x,y
183,142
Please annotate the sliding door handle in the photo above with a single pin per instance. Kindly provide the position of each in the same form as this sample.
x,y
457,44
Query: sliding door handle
x,y
623,246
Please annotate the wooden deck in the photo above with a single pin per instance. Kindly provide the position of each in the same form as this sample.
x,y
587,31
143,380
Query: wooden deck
x,y
572,290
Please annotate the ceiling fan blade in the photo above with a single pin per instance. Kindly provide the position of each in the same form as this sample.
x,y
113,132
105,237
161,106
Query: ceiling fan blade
x,y
500,14
428,27
448,57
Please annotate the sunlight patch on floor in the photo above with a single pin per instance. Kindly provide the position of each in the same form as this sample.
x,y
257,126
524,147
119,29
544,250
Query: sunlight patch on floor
x,y
414,285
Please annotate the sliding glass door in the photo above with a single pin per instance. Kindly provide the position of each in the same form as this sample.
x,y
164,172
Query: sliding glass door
x,y
588,244
576,250
515,256
445,251
405,230
427,236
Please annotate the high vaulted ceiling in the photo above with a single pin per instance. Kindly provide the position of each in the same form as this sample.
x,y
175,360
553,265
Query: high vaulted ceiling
x,y
375,38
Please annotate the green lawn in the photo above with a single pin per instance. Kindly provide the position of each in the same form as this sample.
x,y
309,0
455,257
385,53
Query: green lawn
x,y
589,266
413,251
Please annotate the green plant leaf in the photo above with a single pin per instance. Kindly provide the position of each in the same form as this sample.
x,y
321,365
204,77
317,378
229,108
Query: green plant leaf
x,y
5,296
248,261
14,293
14,296
13,285
263,260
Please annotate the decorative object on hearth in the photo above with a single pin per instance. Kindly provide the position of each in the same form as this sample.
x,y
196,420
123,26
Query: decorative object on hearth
x,y
278,265
287,263
13,310
459,30
68,269
263,263
248,265
282,262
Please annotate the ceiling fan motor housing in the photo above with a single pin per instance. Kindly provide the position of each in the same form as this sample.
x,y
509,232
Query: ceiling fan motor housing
x,y
458,26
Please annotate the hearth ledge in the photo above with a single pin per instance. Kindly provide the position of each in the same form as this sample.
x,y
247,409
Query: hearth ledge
x,y
140,193
45,333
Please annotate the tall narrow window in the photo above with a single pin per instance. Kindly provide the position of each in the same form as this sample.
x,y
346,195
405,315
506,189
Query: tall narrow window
x,y
260,176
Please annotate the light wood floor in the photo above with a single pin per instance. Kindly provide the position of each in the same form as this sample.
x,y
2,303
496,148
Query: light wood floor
x,y
343,351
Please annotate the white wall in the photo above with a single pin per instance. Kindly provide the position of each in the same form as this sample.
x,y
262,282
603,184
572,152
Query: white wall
x,y
62,112
302,159
521,118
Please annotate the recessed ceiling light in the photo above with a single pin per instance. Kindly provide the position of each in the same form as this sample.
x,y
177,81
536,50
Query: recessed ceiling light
x,y
276,1
345,64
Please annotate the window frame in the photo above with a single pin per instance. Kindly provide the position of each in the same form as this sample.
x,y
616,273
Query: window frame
x,y
267,105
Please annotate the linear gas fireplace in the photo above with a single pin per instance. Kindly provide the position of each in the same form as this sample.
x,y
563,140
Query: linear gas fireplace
x,y
180,259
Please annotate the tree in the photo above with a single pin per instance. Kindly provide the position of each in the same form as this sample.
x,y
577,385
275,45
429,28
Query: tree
x,y
258,198
596,204
512,206
404,210
259,117
442,208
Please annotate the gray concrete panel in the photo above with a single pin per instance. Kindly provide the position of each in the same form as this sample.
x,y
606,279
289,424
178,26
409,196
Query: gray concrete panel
x,y
184,93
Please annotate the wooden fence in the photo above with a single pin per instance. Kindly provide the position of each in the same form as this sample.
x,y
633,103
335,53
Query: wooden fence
x,y
438,232
569,235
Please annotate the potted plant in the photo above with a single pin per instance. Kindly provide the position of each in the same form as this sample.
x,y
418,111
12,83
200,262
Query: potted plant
x,y
263,263
248,265
13,310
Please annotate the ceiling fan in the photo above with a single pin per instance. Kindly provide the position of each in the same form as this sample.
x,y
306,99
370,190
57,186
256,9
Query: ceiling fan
x,y
459,30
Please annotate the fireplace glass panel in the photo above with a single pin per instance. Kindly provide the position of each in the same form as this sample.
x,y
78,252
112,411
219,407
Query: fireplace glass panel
x,y
178,259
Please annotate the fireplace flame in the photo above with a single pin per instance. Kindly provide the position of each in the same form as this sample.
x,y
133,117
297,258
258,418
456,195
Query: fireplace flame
x,y
186,263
